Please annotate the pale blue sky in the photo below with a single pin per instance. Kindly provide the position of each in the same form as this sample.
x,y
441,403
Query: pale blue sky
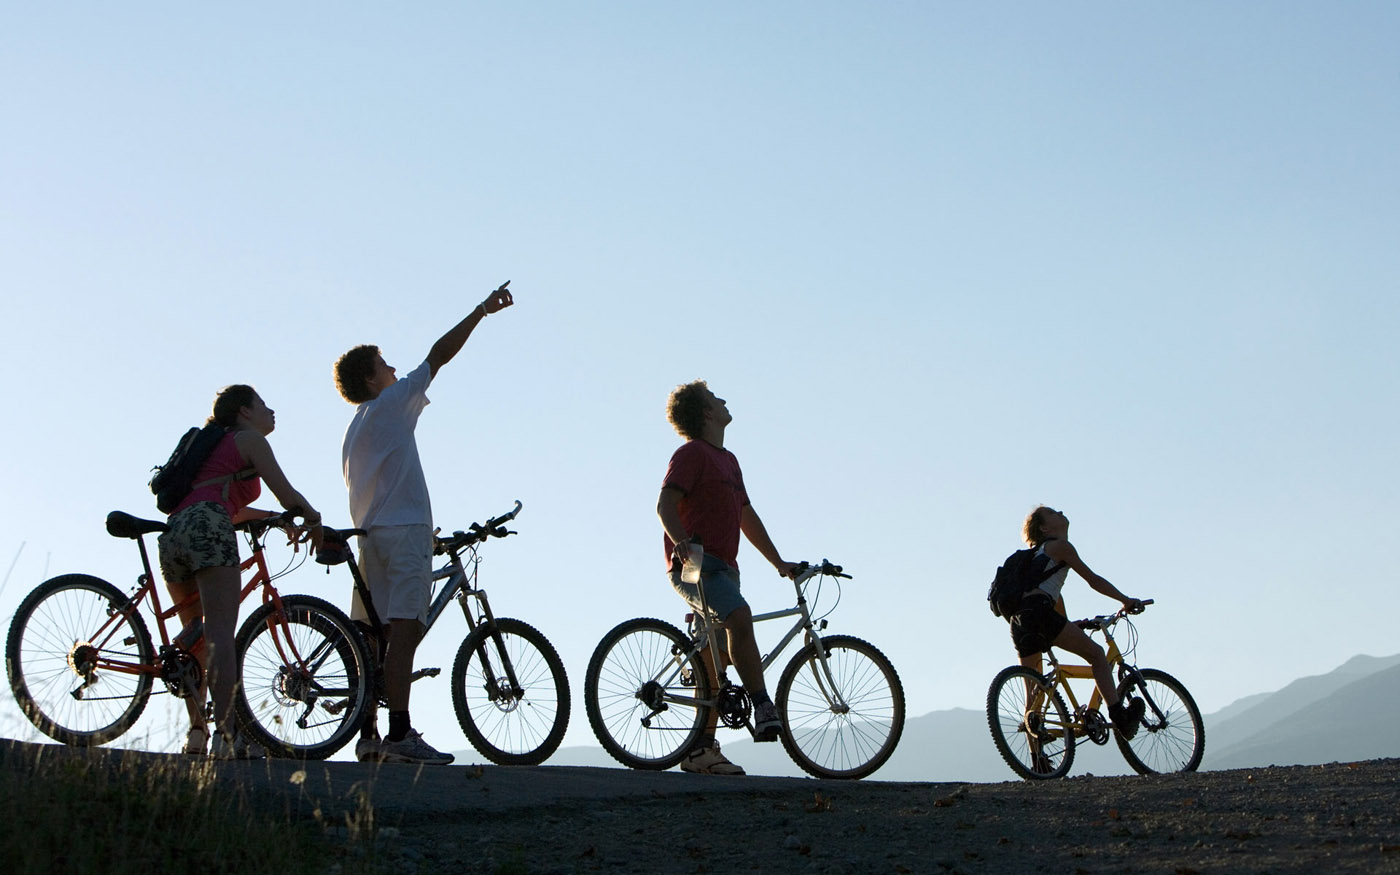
x,y
945,261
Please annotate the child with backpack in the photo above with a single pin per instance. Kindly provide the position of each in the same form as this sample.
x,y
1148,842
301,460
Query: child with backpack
x,y
219,478
1036,613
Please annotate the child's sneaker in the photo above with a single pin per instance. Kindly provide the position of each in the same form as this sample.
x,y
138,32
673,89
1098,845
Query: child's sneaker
x,y
412,749
709,761
1127,717
767,725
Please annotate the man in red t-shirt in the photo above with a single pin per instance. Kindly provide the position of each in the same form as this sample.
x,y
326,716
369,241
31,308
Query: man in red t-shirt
x,y
703,500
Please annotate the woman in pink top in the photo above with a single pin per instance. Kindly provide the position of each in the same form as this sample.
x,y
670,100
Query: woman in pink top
x,y
199,552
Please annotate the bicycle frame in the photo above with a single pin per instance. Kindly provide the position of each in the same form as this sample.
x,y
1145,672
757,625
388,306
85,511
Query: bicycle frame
x,y
147,588
1060,675
461,587
707,636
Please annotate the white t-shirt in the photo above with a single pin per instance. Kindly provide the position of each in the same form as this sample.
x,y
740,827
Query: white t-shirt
x,y
380,457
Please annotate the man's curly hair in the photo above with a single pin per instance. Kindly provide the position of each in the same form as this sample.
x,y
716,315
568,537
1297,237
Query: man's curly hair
x,y
354,370
686,409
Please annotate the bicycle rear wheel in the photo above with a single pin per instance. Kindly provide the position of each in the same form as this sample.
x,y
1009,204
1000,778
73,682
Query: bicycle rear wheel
x,y
80,666
644,693
1030,724
845,725
511,726
1172,737
304,684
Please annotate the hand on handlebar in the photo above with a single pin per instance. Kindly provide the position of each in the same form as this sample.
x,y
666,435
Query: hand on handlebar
x,y
1135,606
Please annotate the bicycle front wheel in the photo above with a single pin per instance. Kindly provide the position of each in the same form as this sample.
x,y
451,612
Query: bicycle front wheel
x,y
842,717
80,660
645,692
1172,737
512,724
1030,724
304,682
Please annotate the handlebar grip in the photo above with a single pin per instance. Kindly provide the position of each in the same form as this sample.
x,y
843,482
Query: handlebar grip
x,y
505,517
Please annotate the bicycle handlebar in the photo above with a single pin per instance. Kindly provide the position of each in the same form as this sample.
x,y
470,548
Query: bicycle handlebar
x,y
1093,624
258,527
476,533
824,568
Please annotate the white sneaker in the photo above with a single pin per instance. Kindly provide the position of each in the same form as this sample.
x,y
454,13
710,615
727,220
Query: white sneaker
x,y
767,725
367,750
709,761
413,749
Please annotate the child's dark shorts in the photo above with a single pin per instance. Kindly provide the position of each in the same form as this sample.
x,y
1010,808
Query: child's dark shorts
x,y
1036,624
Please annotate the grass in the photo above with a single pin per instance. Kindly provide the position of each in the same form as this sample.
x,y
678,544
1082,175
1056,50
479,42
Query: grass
x,y
68,810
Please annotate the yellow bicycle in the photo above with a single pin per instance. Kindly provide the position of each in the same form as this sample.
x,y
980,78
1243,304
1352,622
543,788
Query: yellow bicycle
x,y
1035,731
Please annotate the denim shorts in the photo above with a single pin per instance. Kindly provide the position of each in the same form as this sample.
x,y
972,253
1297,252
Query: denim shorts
x,y
721,583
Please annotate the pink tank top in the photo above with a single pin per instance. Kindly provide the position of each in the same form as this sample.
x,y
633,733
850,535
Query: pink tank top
x,y
233,495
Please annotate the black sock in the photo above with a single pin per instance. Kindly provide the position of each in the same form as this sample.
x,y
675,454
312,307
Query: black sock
x,y
398,726
761,698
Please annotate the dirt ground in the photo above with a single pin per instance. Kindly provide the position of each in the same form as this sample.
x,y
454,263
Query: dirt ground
x,y
1343,817
1337,818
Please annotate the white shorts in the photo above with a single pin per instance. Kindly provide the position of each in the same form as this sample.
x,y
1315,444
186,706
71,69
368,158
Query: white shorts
x,y
396,563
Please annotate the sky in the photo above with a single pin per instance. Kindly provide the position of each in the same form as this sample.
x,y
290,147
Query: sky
x,y
945,262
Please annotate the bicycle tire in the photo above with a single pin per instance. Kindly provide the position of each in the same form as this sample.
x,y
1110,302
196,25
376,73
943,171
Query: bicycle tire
x,y
1175,741
643,658
1007,718
830,743
50,626
303,701
511,730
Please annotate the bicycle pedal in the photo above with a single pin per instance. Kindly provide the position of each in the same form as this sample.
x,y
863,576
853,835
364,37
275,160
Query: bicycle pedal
x,y
425,673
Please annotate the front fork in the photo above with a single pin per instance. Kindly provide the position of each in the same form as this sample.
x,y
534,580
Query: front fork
x,y
1130,679
512,691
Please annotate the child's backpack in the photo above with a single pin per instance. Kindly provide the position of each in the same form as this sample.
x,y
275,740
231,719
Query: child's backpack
x,y
174,480
1022,572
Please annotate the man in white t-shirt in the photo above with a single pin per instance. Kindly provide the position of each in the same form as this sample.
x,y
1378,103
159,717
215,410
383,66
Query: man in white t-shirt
x,y
389,499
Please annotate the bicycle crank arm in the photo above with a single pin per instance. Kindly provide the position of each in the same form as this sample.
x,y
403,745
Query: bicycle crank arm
x,y
424,673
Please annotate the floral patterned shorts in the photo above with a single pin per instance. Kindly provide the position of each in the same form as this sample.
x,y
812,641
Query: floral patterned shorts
x,y
200,536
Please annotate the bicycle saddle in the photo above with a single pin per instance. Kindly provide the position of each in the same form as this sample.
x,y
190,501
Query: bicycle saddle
x,y
124,525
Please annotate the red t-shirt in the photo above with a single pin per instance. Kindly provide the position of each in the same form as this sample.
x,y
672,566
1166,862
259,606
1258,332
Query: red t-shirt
x,y
713,498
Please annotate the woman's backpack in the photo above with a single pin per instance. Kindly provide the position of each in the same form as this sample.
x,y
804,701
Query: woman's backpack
x,y
1022,572
174,480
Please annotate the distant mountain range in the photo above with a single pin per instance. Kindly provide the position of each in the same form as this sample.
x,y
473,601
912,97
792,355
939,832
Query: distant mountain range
x,y
1345,715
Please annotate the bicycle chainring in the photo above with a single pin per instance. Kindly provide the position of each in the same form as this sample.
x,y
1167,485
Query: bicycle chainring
x,y
180,672
1096,726
734,707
